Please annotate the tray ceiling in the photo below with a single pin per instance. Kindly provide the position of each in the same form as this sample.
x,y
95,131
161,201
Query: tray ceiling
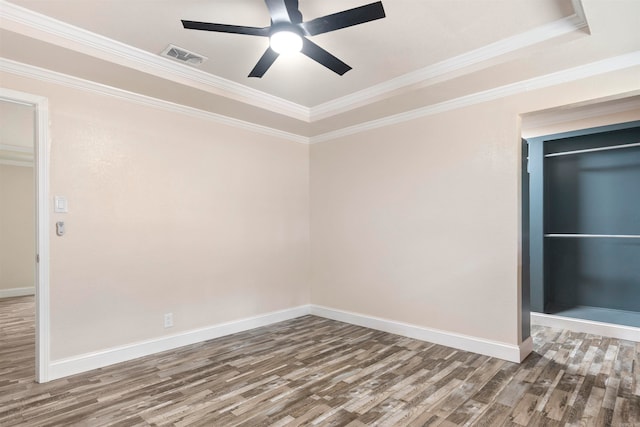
x,y
459,46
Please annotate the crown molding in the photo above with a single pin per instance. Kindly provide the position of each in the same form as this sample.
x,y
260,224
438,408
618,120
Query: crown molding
x,y
15,155
588,70
16,148
578,10
33,24
445,70
42,74
576,73
18,163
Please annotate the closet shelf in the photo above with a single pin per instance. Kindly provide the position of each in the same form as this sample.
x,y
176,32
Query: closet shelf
x,y
591,150
596,236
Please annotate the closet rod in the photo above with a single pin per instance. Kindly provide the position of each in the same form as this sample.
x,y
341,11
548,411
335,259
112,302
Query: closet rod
x,y
617,236
590,150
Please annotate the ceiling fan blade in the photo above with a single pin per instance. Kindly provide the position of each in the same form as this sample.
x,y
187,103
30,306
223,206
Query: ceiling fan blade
x,y
278,11
346,18
323,57
295,17
224,28
268,58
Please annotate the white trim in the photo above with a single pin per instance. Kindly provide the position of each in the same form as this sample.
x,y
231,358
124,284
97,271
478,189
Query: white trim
x,y
578,11
16,148
584,71
17,292
533,121
565,76
86,362
18,157
42,148
39,26
33,24
42,74
510,352
587,326
17,163
449,68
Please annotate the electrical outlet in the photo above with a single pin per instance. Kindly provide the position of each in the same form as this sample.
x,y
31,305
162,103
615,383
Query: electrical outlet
x,y
168,320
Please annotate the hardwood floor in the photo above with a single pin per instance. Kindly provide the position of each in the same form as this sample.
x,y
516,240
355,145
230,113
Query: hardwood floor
x,y
314,371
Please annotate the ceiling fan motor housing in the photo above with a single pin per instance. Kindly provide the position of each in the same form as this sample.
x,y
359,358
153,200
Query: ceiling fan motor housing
x,y
285,38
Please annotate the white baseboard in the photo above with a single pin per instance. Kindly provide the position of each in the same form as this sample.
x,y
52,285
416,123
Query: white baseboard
x,y
17,292
86,362
509,352
587,326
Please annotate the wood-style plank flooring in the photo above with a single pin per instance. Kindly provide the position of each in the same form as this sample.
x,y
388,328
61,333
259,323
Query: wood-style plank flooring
x,y
314,371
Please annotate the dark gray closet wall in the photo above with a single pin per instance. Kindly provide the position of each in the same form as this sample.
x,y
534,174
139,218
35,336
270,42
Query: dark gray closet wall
x,y
577,200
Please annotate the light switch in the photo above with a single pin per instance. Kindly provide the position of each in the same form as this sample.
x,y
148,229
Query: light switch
x,y
60,204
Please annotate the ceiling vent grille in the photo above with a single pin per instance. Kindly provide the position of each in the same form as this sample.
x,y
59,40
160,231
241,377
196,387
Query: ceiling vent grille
x,y
183,55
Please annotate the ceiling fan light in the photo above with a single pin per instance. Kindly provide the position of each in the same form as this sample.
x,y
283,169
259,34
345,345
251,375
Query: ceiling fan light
x,y
285,42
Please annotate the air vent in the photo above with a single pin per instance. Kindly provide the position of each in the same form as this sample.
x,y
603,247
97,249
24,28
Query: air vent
x,y
183,55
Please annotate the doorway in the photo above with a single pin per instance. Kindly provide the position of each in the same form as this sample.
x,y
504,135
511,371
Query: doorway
x,y
585,224
17,200
38,107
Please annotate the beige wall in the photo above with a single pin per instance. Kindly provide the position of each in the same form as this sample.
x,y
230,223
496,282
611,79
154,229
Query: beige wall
x,y
419,222
167,213
17,227
416,222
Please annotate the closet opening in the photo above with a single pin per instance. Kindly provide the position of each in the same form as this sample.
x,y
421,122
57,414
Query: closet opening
x,y
584,212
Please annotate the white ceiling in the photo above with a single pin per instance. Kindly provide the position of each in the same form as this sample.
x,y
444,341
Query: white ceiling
x,y
423,52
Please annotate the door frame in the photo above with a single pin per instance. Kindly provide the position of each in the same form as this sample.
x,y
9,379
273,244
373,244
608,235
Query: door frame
x,y
41,171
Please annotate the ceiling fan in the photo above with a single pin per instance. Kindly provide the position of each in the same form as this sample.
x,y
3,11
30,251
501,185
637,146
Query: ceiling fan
x,y
288,33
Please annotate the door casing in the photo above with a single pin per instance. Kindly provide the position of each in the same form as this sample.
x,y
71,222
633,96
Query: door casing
x,y
41,169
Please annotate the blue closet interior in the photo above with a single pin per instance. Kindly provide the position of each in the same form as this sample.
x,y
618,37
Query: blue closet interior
x,y
584,207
